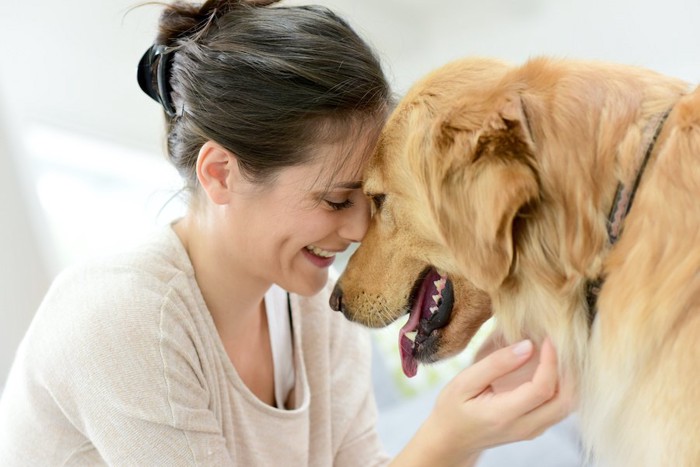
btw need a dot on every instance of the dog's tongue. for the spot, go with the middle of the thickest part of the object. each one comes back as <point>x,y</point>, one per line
<point>408,361</point>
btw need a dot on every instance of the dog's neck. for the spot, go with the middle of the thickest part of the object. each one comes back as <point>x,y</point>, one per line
<point>624,197</point>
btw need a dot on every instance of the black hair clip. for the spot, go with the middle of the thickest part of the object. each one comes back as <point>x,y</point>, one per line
<point>153,76</point>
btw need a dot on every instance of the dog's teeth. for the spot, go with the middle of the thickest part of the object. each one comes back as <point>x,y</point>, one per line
<point>412,336</point>
<point>433,309</point>
<point>436,298</point>
<point>439,285</point>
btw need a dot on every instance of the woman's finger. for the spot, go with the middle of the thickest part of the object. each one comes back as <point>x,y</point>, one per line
<point>492,343</point>
<point>474,379</point>
<point>545,415</point>
<point>541,389</point>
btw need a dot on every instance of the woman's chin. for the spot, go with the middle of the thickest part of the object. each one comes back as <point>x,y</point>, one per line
<point>312,288</point>
<point>308,283</point>
<point>303,277</point>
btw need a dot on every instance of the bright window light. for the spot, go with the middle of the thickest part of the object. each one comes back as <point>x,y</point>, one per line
<point>99,197</point>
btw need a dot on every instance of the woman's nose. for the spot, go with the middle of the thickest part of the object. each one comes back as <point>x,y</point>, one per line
<point>356,222</point>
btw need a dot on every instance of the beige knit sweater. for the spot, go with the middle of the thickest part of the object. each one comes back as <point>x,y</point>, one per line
<point>122,365</point>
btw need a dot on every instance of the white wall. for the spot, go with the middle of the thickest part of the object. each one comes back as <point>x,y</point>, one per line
<point>415,36</point>
<point>72,63</point>
<point>23,269</point>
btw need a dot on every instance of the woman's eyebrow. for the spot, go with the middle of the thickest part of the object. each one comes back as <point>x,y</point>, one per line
<point>356,185</point>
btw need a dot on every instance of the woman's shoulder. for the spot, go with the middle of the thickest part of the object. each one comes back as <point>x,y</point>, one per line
<point>146,271</point>
<point>119,295</point>
<point>114,312</point>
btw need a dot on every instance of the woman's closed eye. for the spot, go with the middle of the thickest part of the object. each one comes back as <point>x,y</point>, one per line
<point>341,205</point>
<point>343,196</point>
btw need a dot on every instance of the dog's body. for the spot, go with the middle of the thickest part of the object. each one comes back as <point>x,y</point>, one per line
<point>500,180</point>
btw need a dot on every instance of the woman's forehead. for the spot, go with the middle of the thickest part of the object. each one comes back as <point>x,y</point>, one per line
<point>343,160</point>
<point>338,167</point>
<point>336,160</point>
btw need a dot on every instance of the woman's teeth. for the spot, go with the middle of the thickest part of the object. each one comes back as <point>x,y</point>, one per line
<point>320,252</point>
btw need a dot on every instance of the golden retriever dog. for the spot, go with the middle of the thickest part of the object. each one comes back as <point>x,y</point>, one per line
<point>561,197</point>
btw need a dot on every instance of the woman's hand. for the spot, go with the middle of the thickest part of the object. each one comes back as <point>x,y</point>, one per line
<point>507,396</point>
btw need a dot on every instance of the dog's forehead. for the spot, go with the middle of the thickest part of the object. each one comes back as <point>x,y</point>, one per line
<point>373,180</point>
<point>380,173</point>
<point>412,130</point>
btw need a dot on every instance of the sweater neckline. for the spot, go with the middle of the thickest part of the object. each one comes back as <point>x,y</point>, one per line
<point>301,385</point>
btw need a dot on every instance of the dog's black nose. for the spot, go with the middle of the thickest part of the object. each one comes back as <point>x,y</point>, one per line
<point>336,300</point>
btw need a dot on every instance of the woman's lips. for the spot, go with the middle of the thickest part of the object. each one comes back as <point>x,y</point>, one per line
<point>318,261</point>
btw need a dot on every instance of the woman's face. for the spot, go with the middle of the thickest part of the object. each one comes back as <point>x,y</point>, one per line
<point>289,231</point>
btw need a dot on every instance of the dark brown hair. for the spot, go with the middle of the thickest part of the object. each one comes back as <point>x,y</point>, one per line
<point>264,82</point>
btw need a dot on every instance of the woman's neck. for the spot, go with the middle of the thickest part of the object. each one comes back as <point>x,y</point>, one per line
<point>233,296</point>
<point>235,300</point>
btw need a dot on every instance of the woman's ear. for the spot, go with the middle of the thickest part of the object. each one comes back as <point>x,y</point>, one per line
<point>217,170</point>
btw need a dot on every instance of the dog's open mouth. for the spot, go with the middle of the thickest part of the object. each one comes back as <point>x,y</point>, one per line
<point>430,310</point>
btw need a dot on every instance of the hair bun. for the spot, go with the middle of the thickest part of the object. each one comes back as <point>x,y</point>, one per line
<point>181,19</point>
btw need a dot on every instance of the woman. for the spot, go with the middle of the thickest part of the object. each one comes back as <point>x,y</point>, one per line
<point>213,344</point>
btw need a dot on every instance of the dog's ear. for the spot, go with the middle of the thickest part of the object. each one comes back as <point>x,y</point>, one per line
<point>490,179</point>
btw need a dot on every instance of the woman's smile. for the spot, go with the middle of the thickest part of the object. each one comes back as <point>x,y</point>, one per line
<point>318,256</point>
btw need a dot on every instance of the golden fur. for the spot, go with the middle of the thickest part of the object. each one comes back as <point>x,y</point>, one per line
<point>503,177</point>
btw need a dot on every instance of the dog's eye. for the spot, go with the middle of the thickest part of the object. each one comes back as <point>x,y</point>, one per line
<point>378,200</point>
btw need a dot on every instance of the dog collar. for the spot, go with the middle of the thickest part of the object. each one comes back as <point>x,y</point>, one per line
<point>624,196</point>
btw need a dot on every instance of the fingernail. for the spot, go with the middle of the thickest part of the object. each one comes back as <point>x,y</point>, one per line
<point>522,348</point>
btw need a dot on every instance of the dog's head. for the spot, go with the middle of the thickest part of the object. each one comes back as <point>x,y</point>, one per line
<point>449,178</point>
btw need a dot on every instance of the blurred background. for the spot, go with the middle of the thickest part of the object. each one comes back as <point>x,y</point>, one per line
<point>82,170</point>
